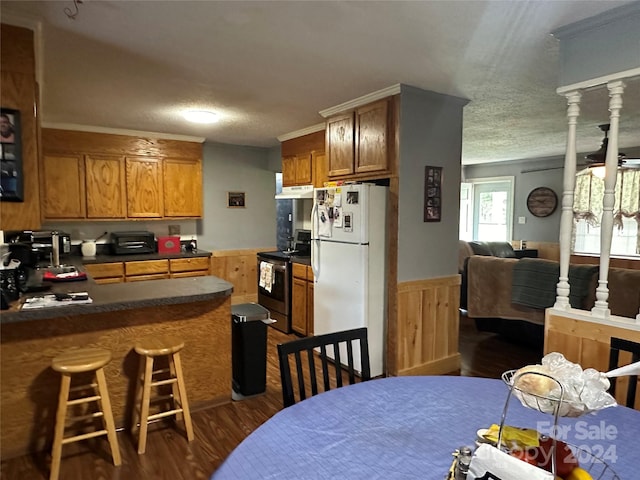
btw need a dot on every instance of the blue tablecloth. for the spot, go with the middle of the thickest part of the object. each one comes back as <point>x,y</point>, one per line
<point>407,428</point>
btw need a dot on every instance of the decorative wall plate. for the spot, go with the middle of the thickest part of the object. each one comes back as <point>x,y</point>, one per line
<point>542,201</point>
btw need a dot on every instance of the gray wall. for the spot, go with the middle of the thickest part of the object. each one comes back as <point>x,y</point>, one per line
<point>237,169</point>
<point>601,45</point>
<point>430,134</point>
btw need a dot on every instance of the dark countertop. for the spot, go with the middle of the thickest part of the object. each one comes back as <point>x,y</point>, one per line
<point>123,296</point>
<point>133,257</point>
<point>302,260</point>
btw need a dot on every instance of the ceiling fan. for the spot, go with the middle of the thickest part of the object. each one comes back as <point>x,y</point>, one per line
<point>597,159</point>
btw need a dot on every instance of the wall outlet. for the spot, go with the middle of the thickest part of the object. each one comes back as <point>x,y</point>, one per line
<point>522,220</point>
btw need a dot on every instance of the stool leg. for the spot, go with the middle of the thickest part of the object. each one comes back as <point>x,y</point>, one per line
<point>137,402</point>
<point>61,415</point>
<point>144,408</point>
<point>183,396</point>
<point>105,405</point>
<point>177,400</point>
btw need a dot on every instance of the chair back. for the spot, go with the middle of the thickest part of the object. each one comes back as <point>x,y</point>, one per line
<point>329,349</point>
<point>620,345</point>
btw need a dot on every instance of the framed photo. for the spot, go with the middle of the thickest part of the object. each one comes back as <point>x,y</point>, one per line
<point>432,194</point>
<point>235,200</point>
<point>11,181</point>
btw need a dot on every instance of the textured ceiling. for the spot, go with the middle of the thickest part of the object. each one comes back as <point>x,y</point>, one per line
<point>269,67</point>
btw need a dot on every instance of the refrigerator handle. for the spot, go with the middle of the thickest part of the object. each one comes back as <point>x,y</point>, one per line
<point>315,238</point>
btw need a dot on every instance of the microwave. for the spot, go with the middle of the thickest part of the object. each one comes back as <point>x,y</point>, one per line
<point>124,243</point>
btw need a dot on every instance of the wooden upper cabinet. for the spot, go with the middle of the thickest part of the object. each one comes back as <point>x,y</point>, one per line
<point>320,169</point>
<point>358,143</point>
<point>144,187</point>
<point>289,170</point>
<point>304,174</point>
<point>182,188</point>
<point>372,137</point>
<point>63,186</point>
<point>339,145</point>
<point>106,186</point>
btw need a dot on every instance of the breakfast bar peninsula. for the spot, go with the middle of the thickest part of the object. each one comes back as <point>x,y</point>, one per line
<point>196,309</point>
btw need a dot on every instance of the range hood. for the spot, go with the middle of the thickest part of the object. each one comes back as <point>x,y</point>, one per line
<point>297,191</point>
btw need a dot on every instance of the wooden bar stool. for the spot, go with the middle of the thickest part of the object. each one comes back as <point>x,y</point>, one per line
<point>149,349</point>
<point>75,361</point>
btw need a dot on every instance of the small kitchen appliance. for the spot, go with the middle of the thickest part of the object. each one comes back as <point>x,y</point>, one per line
<point>169,244</point>
<point>125,243</point>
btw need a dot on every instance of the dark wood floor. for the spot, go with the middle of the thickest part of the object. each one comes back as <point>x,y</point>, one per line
<point>219,430</point>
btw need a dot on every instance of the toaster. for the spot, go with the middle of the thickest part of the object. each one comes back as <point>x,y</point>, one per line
<point>124,243</point>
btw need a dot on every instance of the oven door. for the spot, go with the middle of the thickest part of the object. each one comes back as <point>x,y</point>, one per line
<point>278,298</point>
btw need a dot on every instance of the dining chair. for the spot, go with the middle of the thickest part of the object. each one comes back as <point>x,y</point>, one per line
<point>329,348</point>
<point>618,345</point>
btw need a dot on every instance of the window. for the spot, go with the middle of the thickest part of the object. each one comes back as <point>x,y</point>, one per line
<point>587,210</point>
<point>486,209</point>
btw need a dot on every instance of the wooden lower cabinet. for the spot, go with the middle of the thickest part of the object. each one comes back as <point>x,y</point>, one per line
<point>106,272</point>
<point>136,271</point>
<point>302,300</point>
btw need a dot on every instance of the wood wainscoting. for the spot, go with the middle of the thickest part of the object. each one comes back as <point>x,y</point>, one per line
<point>587,342</point>
<point>240,268</point>
<point>428,326</point>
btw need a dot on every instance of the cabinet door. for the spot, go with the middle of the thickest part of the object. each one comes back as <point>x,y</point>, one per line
<point>320,169</point>
<point>288,171</point>
<point>299,306</point>
<point>304,174</point>
<point>63,186</point>
<point>372,137</point>
<point>144,267</point>
<point>106,190</point>
<point>144,187</point>
<point>339,144</point>
<point>182,188</point>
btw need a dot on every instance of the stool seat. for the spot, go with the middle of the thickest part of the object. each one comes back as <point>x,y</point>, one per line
<point>81,360</point>
<point>157,346</point>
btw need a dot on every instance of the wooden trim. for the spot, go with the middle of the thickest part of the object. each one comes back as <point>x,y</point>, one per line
<point>435,367</point>
<point>360,101</point>
<point>302,132</point>
<point>235,253</point>
<point>428,325</point>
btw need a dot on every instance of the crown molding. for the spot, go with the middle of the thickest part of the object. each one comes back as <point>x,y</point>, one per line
<point>365,99</point>
<point>121,131</point>
<point>299,133</point>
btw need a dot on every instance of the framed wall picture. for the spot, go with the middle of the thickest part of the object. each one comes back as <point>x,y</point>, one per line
<point>432,194</point>
<point>235,200</point>
<point>12,181</point>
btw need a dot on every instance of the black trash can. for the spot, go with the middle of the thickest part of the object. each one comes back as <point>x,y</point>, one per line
<point>249,349</point>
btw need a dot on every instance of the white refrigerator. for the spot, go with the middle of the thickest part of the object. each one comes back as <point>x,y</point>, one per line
<point>348,257</point>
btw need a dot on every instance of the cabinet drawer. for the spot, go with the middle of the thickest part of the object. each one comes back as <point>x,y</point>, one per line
<point>188,264</point>
<point>154,276</point>
<point>104,281</point>
<point>104,270</point>
<point>195,273</point>
<point>146,267</point>
<point>300,271</point>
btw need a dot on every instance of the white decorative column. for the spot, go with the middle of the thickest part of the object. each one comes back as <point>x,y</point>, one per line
<point>569,185</point>
<point>601,307</point>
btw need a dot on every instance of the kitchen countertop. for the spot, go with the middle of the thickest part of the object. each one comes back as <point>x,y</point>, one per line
<point>302,260</point>
<point>122,296</point>
<point>132,257</point>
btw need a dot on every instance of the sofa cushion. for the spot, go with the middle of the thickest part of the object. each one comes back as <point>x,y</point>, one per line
<point>502,249</point>
<point>481,248</point>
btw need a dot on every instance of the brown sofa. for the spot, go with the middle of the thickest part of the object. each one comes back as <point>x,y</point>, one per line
<point>489,291</point>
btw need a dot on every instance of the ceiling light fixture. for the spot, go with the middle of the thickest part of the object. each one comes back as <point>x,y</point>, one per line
<point>596,160</point>
<point>201,116</point>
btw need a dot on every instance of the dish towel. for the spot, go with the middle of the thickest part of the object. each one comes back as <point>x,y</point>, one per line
<point>266,276</point>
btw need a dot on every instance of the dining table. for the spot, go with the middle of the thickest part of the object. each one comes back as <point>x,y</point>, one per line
<point>408,428</point>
